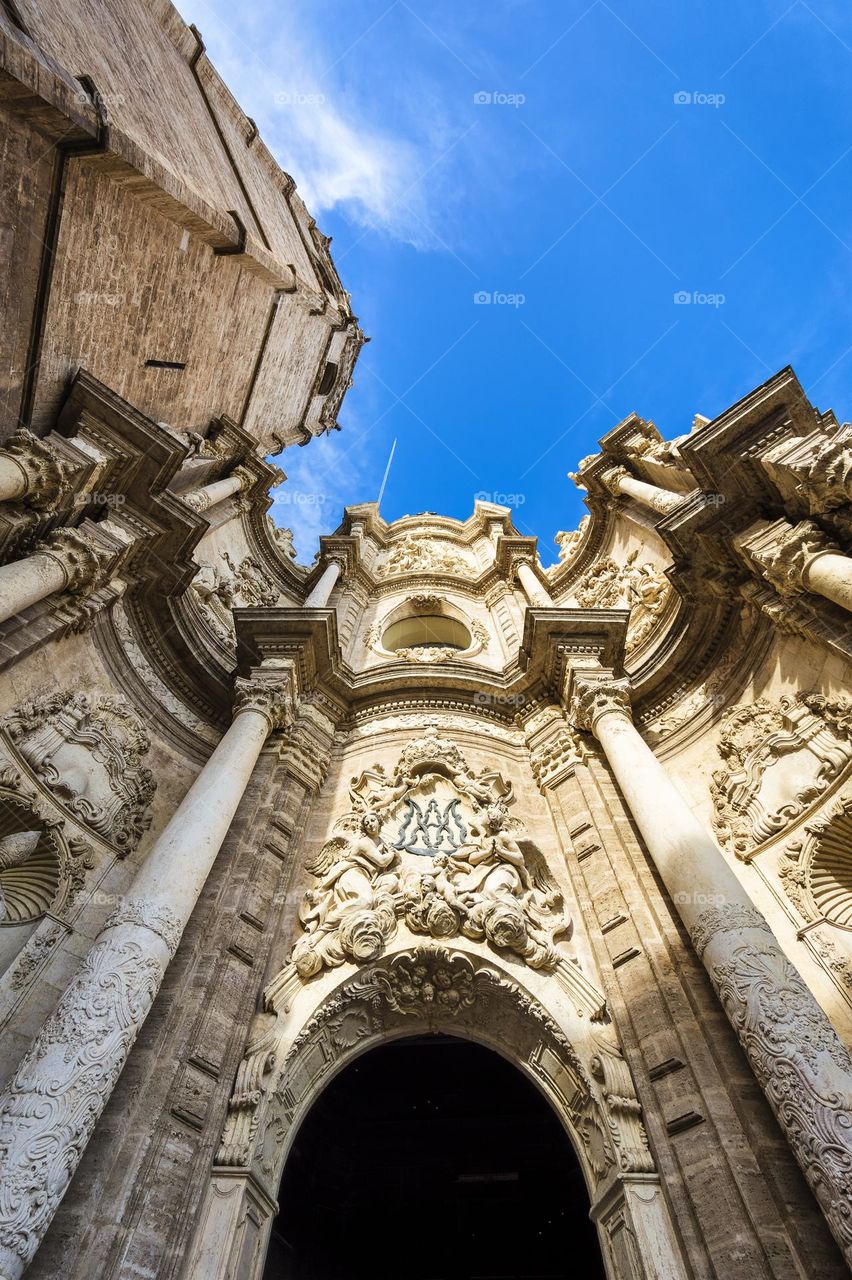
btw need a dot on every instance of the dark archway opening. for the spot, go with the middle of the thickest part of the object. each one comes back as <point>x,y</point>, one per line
<point>432,1159</point>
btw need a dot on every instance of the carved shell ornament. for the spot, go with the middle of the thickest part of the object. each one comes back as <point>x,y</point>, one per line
<point>433,849</point>
<point>817,870</point>
<point>780,757</point>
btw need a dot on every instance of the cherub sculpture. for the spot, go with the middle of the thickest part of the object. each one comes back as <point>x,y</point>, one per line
<point>350,915</point>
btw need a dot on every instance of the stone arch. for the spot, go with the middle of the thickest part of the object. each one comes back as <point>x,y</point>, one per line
<point>310,1036</point>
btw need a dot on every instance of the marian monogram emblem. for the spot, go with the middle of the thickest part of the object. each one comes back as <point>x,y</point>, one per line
<point>439,830</point>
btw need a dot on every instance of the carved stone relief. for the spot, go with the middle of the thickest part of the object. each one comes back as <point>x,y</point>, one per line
<point>218,591</point>
<point>88,751</point>
<point>478,880</point>
<point>424,554</point>
<point>780,758</point>
<point>432,988</point>
<point>643,587</point>
<point>816,870</point>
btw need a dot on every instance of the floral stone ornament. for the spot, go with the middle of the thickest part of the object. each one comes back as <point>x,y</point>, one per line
<point>434,848</point>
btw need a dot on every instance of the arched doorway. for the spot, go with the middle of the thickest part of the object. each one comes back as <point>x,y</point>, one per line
<point>432,1158</point>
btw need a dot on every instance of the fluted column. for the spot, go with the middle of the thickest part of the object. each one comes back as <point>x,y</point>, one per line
<point>537,595</point>
<point>794,1051</point>
<point>50,1108</point>
<point>69,561</point>
<point>324,586</point>
<point>798,558</point>
<point>619,481</point>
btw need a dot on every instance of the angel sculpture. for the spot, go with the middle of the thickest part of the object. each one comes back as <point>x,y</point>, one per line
<point>490,877</point>
<point>350,915</point>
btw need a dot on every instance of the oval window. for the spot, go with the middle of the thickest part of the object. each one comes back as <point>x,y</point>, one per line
<point>427,631</point>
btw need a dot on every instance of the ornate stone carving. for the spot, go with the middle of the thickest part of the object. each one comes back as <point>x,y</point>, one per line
<point>283,538</point>
<point>786,559</point>
<point>50,1107</point>
<point>478,883</point>
<point>34,953</point>
<point>271,695</point>
<point>625,1112</point>
<point>45,474</point>
<point>86,565</point>
<point>593,697</point>
<point>568,541</point>
<point>724,919</point>
<point>88,750</point>
<point>218,592</point>
<point>424,554</point>
<point>780,758</point>
<point>159,919</point>
<point>816,870</point>
<point>801,1065</point>
<point>818,474</point>
<point>430,988</point>
<point>642,587</point>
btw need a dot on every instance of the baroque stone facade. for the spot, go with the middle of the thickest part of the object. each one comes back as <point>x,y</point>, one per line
<point>257,819</point>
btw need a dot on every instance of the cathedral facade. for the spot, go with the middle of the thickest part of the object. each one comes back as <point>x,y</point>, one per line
<point>263,822</point>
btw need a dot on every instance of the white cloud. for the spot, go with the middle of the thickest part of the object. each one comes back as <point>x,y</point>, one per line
<point>323,477</point>
<point>317,128</point>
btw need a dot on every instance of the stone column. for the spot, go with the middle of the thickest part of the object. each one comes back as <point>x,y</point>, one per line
<point>31,470</point>
<point>209,495</point>
<point>798,558</point>
<point>70,560</point>
<point>537,595</point>
<point>793,1049</point>
<point>324,586</point>
<point>51,1107</point>
<point>619,481</point>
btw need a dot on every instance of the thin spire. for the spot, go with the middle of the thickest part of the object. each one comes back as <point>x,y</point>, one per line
<point>385,478</point>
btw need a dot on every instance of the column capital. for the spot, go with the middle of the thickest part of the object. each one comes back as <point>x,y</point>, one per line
<point>612,477</point>
<point>591,696</point>
<point>272,693</point>
<point>784,551</point>
<point>85,563</point>
<point>45,474</point>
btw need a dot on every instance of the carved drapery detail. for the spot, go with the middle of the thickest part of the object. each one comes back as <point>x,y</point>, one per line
<point>49,1109</point>
<point>88,750</point>
<point>780,758</point>
<point>478,881</point>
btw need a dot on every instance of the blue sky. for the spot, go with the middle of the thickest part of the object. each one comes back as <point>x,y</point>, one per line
<point>582,164</point>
